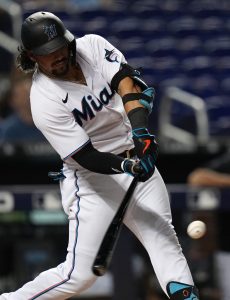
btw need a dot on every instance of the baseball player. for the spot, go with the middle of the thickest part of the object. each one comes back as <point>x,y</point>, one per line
<point>93,108</point>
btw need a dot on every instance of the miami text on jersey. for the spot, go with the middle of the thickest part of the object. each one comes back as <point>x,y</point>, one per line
<point>90,105</point>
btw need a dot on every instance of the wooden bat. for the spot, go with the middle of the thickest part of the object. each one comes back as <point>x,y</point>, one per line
<point>105,252</point>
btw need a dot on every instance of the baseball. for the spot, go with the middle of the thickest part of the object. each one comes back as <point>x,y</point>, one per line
<point>196,229</point>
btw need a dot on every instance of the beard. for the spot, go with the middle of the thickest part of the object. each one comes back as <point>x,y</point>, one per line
<point>61,70</point>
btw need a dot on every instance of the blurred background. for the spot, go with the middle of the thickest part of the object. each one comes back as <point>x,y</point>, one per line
<point>183,48</point>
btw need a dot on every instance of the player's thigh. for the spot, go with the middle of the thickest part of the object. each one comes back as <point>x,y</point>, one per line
<point>152,196</point>
<point>150,207</point>
<point>93,206</point>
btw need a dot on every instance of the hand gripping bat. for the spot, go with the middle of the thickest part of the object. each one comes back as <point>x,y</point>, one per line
<point>105,252</point>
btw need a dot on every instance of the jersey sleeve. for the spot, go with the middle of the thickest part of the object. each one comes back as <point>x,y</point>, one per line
<point>58,126</point>
<point>108,59</point>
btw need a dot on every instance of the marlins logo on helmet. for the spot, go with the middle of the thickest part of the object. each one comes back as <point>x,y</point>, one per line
<point>50,31</point>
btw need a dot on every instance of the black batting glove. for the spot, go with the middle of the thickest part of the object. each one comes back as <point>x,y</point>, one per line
<point>146,148</point>
<point>135,168</point>
<point>131,166</point>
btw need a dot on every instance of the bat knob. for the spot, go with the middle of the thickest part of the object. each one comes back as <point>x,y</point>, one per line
<point>99,270</point>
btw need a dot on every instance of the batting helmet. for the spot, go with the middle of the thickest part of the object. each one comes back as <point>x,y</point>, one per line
<point>43,33</point>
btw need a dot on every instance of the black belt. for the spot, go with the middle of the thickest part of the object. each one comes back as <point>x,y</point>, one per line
<point>128,153</point>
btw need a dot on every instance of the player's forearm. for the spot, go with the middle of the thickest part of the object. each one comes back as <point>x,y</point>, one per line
<point>137,113</point>
<point>138,105</point>
<point>99,162</point>
<point>108,163</point>
<point>128,86</point>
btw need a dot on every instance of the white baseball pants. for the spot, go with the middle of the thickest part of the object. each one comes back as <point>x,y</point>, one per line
<point>91,201</point>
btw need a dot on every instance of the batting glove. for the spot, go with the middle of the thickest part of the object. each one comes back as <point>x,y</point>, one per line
<point>146,148</point>
<point>131,166</point>
<point>135,168</point>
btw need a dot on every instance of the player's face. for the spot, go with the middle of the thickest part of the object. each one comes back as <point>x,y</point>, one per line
<point>56,63</point>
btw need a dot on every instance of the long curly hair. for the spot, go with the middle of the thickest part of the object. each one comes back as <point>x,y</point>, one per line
<point>24,62</point>
<point>27,65</point>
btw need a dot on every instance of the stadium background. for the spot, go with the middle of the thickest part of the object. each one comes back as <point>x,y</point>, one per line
<point>183,49</point>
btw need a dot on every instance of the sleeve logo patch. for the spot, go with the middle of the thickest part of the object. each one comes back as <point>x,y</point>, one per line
<point>111,56</point>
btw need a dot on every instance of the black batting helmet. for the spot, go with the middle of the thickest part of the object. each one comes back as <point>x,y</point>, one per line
<point>43,33</point>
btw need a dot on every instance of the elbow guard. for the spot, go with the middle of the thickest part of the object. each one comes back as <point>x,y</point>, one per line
<point>127,71</point>
<point>147,95</point>
<point>145,98</point>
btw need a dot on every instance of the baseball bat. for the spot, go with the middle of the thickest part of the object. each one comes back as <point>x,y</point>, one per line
<point>105,252</point>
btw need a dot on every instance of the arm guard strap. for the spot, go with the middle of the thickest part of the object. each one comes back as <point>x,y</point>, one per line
<point>145,98</point>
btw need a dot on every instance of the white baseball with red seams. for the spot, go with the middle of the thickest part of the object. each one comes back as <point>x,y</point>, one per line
<point>196,229</point>
<point>69,114</point>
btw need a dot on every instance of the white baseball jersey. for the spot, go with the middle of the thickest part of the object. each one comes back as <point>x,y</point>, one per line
<point>69,114</point>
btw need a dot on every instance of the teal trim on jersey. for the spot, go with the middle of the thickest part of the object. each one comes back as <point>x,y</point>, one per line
<point>74,254</point>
